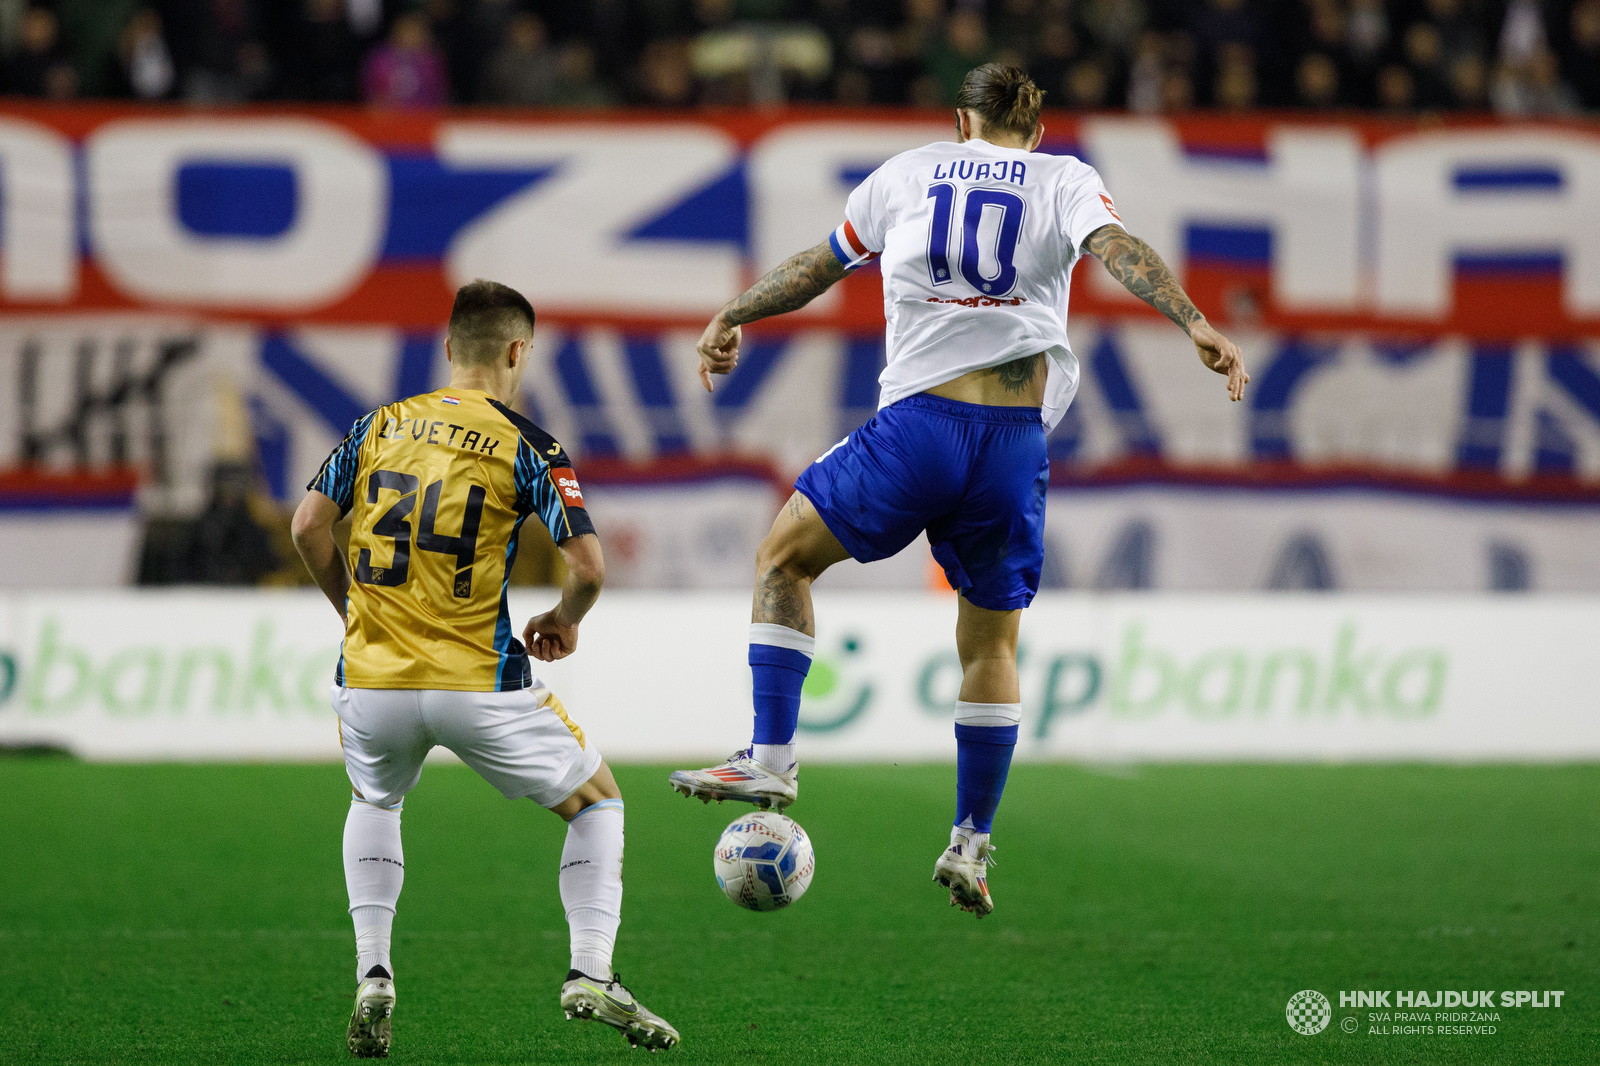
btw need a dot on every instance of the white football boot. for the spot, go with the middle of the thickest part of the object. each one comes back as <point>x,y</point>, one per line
<point>609,1002</point>
<point>740,778</point>
<point>368,1036</point>
<point>964,870</point>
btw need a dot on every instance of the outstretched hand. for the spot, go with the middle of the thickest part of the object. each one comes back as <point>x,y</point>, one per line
<point>719,350</point>
<point>1221,355</point>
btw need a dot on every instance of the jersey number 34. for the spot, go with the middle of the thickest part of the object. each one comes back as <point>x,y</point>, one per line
<point>392,524</point>
<point>1003,211</point>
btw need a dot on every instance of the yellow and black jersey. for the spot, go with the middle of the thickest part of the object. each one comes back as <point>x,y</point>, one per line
<point>440,485</point>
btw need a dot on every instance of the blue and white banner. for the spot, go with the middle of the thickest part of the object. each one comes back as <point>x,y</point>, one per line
<point>1354,463</point>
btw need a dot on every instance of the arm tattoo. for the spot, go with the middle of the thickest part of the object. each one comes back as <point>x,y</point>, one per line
<point>1017,375</point>
<point>787,287</point>
<point>1141,271</point>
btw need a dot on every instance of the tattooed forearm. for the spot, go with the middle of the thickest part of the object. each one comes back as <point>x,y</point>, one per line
<point>1018,374</point>
<point>787,287</point>
<point>1141,271</point>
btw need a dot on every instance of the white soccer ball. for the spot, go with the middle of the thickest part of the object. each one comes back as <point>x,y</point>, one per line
<point>764,861</point>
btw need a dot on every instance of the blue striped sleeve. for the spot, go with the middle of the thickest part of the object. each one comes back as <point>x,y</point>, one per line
<point>551,492</point>
<point>337,478</point>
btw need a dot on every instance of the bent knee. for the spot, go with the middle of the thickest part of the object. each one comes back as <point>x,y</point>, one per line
<point>990,648</point>
<point>383,801</point>
<point>602,785</point>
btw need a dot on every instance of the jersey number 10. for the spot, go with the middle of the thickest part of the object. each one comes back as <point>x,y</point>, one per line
<point>392,524</point>
<point>1010,208</point>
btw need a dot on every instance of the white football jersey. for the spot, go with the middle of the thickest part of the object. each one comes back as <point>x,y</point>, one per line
<point>977,244</point>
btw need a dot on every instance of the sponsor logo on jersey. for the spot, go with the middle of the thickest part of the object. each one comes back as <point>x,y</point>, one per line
<point>567,482</point>
<point>982,301</point>
<point>1111,208</point>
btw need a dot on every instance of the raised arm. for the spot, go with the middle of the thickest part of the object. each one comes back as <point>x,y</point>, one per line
<point>787,287</point>
<point>1141,271</point>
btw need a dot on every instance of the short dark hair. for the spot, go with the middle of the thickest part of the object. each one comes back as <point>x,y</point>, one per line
<point>1003,96</point>
<point>485,318</point>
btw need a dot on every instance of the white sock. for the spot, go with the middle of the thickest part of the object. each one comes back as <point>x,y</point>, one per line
<point>966,834</point>
<point>990,715</point>
<point>779,757</point>
<point>591,885</point>
<point>373,929</point>
<point>374,870</point>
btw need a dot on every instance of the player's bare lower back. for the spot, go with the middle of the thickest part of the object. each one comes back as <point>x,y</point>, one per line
<point>1019,383</point>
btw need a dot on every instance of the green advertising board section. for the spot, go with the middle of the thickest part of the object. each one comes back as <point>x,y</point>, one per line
<point>214,675</point>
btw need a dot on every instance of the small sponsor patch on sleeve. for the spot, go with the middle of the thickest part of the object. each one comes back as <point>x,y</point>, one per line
<point>1111,208</point>
<point>567,484</point>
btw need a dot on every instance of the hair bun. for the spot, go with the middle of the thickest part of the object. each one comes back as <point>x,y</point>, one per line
<point>1003,96</point>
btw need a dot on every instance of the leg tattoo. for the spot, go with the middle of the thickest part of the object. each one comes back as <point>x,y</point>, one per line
<point>784,600</point>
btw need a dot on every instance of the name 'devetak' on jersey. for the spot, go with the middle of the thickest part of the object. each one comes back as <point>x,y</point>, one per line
<point>427,432</point>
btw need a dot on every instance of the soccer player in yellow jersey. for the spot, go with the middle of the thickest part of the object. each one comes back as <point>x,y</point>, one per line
<point>438,487</point>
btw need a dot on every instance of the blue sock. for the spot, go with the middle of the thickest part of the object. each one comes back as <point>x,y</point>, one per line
<point>983,758</point>
<point>780,657</point>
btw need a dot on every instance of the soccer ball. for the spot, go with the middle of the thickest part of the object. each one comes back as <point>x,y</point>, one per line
<point>764,861</point>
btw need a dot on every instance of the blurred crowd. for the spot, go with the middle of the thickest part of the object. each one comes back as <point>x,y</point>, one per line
<point>1518,57</point>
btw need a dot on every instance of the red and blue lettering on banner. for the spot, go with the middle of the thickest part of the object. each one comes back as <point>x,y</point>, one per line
<point>350,216</point>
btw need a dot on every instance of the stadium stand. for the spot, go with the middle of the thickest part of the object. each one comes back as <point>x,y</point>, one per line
<point>1516,57</point>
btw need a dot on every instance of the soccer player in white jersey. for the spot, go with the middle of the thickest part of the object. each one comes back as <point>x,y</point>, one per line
<point>438,488</point>
<point>978,240</point>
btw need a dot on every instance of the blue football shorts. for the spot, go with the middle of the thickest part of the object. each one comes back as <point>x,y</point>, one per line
<point>973,476</point>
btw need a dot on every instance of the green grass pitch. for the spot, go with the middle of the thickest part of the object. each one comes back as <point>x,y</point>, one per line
<point>197,914</point>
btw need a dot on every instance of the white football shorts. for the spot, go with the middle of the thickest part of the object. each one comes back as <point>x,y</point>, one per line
<point>521,742</point>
